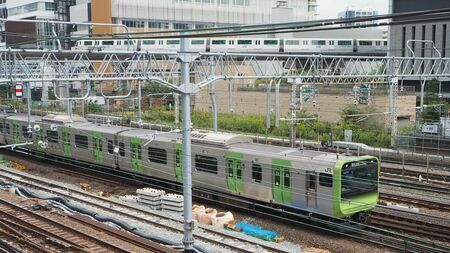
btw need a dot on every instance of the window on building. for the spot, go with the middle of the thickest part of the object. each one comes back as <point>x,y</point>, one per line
<point>241,2</point>
<point>81,141</point>
<point>181,26</point>
<point>444,39</point>
<point>325,180</point>
<point>257,173</point>
<point>206,164</point>
<point>134,23</point>
<point>157,155</point>
<point>52,136</point>
<point>403,41</point>
<point>202,26</point>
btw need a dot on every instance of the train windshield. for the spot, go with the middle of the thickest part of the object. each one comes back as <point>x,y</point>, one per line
<point>359,177</point>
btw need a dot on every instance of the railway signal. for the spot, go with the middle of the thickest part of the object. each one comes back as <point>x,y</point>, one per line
<point>19,90</point>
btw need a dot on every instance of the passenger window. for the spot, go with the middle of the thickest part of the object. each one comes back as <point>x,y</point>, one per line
<point>277,177</point>
<point>325,180</point>
<point>81,141</point>
<point>312,181</point>
<point>52,136</point>
<point>157,155</point>
<point>287,179</point>
<point>110,146</point>
<point>257,173</point>
<point>239,170</point>
<point>121,149</point>
<point>206,164</point>
<point>230,168</point>
<point>25,131</point>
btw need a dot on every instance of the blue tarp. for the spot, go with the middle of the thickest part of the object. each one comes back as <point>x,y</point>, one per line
<point>256,231</point>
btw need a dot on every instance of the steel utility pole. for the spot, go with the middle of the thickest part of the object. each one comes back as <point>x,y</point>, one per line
<point>187,88</point>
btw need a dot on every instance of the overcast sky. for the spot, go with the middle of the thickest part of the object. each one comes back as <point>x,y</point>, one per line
<point>331,8</point>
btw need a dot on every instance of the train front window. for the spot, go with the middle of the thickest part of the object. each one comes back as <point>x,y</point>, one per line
<point>359,177</point>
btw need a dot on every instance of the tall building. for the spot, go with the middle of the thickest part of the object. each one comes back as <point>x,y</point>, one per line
<point>3,14</point>
<point>437,32</point>
<point>28,35</point>
<point>156,15</point>
<point>358,13</point>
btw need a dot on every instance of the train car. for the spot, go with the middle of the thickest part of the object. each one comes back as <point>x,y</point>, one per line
<point>326,183</point>
<point>242,45</point>
<point>372,46</point>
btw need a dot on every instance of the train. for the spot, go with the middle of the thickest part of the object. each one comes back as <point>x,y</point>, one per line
<point>243,45</point>
<point>331,184</point>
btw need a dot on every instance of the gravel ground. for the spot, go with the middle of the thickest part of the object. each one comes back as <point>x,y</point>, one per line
<point>311,241</point>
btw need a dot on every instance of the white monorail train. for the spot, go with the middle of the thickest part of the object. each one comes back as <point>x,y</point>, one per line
<point>239,45</point>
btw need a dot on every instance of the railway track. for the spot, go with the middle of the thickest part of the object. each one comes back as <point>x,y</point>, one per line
<point>415,202</point>
<point>413,223</point>
<point>372,234</point>
<point>212,236</point>
<point>37,231</point>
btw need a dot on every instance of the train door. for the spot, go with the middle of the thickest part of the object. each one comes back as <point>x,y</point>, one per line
<point>67,148</point>
<point>311,189</point>
<point>178,161</point>
<point>235,170</point>
<point>98,147</point>
<point>136,155</point>
<point>16,132</point>
<point>281,181</point>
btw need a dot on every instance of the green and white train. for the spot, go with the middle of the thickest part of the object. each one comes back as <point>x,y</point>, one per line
<point>327,183</point>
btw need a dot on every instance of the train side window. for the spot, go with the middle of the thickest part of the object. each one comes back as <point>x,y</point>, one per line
<point>25,131</point>
<point>7,128</point>
<point>325,180</point>
<point>206,164</point>
<point>292,42</point>
<point>88,43</point>
<point>81,141</point>
<point>121,149</point>
<point>257,173</point>
<point>52,136</point>
<point>197,42</point>
<point>110,147</point>
<point>312,181</point>
<point>244,42</point>
<point>270,42</point>
<point>287,178</point>
<point>218,42</point>
<point>277,179</point>
<point>157,155</point>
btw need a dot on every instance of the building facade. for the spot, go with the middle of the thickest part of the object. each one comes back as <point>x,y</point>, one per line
<point>437,32</point>
<point>156,15</point>
<point>29,35</point>
<point>358,13</point>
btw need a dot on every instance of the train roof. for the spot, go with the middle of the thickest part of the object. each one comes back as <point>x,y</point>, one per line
<point>290,153</point>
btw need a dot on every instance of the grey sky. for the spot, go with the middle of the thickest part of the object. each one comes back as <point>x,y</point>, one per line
<point>331,8</point>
